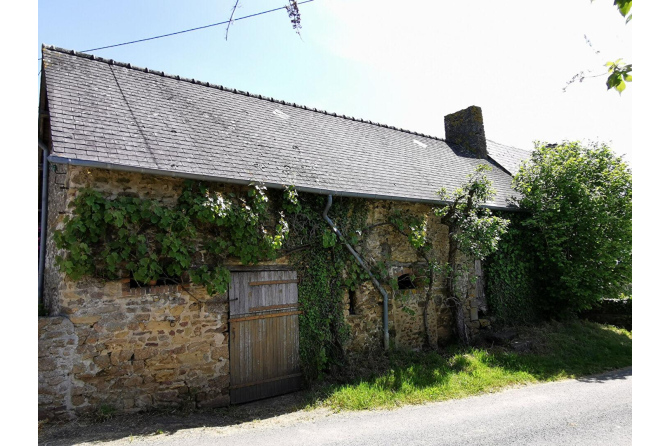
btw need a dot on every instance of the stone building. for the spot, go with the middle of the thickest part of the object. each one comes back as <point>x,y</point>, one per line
<point>121,129</point>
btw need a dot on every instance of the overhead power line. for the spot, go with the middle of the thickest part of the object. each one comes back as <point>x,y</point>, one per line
<point>189,30</point>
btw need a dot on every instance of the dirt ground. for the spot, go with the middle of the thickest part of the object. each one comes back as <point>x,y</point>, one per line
<point>141,428</point>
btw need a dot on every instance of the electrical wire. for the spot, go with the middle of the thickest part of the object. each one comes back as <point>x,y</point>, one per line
<point>189,30</point>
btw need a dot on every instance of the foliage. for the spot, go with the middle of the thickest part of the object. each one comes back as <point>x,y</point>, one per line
<point>473,230</point>
<point>104,413</point>
<point>579,227</point>
<point>510,276</point>
<point>325,269</point>
<point>415,228</point>
<point>560,351</point>
<point>476,230</point>
<point>619,75</point>
<point>619,72</point>
<point>624,7</point>
<point>110,238</point>
<point>150,240</point>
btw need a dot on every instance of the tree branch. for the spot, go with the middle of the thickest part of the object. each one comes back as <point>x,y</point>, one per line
<point>230,20</point>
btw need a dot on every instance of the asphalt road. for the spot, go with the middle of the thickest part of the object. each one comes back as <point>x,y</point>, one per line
<point>589,411</point>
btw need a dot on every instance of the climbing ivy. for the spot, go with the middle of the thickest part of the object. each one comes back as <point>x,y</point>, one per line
<point>116,237</point>
<point>510,275</point>
<point>326,269</point>
<point>111,238</point>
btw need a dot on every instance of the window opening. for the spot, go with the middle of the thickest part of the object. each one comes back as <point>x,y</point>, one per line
<point>405,282</point>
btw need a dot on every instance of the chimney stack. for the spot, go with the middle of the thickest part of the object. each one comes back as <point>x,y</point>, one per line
<point>466,128</point>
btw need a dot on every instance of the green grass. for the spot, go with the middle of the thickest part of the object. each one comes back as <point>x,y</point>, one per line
<point>559,351</point>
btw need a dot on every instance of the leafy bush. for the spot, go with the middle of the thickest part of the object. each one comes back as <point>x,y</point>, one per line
<point>510,276</point>
<point>579,225</point>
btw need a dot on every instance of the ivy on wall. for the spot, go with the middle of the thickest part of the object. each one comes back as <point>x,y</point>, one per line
<point>149,240</point>
<point>509,276</point>
<point>326,270</point>
<point>112,238</point>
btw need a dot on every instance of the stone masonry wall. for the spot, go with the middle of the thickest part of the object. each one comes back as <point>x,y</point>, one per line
<point>151,347</point>
<point>129,349</point>
<point>407,307</point>
<point>57,342</point>
<point>136,349</point>
<point>133,348</point>
<point>57,206</point>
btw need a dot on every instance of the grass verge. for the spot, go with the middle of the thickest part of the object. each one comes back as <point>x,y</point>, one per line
<point>555,351</point>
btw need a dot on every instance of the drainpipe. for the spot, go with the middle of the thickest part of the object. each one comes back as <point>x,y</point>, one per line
<point>43,221</point>
<point>365,267</point>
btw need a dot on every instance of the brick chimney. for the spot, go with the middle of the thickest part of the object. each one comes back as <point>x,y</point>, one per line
<point>466,128</point>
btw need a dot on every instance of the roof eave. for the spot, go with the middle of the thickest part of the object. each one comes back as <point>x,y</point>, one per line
<point>192,176</point>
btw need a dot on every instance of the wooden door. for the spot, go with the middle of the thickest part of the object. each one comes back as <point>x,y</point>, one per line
<point>264,355</point>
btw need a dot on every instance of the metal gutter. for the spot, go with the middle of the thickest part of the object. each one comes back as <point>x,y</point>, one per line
<point>194,176</point>
<point>43,220</point>
<point>365,267</point>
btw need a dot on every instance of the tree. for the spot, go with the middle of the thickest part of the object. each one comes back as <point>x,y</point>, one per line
<point>579,225</point>
<point>473,230</point>
<point>619,72</point>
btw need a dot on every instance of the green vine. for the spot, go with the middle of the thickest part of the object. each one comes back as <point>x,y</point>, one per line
<point>509,273</point>
<point>193,238</point>
<point>112,238</point>
<point>116,237</point>
<point>326,269</point>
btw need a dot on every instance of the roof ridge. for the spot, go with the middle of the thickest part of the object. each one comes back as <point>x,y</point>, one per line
<point>230,90</point>
<point>507,145</point>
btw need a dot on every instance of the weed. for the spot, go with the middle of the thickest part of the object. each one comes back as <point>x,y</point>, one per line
<point>105,412</point>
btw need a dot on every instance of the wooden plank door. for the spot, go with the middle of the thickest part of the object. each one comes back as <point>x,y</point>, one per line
<point>264,355</point>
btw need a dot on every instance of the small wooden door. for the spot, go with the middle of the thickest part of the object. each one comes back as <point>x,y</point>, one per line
<point>264,355</point>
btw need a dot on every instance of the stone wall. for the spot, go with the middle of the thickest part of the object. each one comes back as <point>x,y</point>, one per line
<point>407,308</point>
<point>129,349</point>
<point>58,197</point>
<point>57,343</point>
<point>160,346</point>
<point>132,348</point>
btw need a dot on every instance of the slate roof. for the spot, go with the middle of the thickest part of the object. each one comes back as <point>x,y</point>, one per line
<point>110,114</point>
<point>510,158</point>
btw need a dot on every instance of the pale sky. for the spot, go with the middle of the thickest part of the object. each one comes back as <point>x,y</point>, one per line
<point>405,64</point>
<point>510,58</point>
